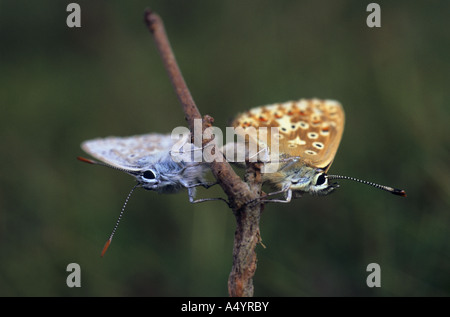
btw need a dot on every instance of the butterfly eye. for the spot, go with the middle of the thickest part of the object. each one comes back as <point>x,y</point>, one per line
<point>321,179</point>
<point>149,174</point>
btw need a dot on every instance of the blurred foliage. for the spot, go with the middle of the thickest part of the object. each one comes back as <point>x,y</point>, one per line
<point>60,86</point>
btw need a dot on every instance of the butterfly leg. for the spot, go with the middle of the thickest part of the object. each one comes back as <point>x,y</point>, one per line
<point>287,194</point>
<point>180,152</point>
<point>192,200</point>
<point>290,161</point>
<point>206,185</point>
<point>266,153</point>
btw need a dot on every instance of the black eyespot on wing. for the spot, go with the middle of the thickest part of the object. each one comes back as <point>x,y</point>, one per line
<point>321,179</point>
<point>149,175</point>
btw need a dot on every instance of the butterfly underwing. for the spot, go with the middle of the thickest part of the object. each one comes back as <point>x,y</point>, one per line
<point>150,159</point>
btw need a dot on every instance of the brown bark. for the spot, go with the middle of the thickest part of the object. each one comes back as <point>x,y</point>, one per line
<point>241,195</point>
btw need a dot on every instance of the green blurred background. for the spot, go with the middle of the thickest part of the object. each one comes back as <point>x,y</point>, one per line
<point>61,86</point>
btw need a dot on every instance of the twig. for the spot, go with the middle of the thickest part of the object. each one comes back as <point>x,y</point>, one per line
<point>240,282</point>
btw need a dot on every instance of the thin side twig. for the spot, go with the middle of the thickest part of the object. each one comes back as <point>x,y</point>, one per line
<point>239,193</point>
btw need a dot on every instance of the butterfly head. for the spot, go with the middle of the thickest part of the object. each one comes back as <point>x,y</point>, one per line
<point>165,178</point>
<point>302,179</point>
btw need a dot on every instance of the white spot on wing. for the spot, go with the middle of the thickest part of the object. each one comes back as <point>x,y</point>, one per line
<point>297,141</point>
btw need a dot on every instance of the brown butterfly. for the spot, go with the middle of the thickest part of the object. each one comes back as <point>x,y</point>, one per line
<point>308,133</point>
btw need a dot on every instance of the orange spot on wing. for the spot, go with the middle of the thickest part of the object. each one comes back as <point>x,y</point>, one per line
<point>278,115</point>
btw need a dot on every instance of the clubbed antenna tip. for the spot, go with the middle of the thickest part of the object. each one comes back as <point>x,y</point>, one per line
<point>395,191</point>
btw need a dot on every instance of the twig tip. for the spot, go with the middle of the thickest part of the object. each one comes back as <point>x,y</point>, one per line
<point>150,19</point>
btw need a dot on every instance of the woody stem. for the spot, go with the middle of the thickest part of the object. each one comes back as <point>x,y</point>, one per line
<point>239,193</point>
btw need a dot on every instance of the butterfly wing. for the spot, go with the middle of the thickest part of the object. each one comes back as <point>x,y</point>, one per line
<point>132,153</point>
<point>308,129</point>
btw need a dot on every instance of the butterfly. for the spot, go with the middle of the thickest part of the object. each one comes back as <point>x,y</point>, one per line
<point>306,139</point>
<point>158,162</point>
<point>150,159</point>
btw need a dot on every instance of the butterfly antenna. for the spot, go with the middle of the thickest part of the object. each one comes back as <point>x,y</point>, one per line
<point>108,242</point>
<point>395,191</point>
<point>85,160</point>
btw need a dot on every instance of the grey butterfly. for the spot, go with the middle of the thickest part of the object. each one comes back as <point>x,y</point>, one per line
<point>159,162</point>
<point>151,160</point>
